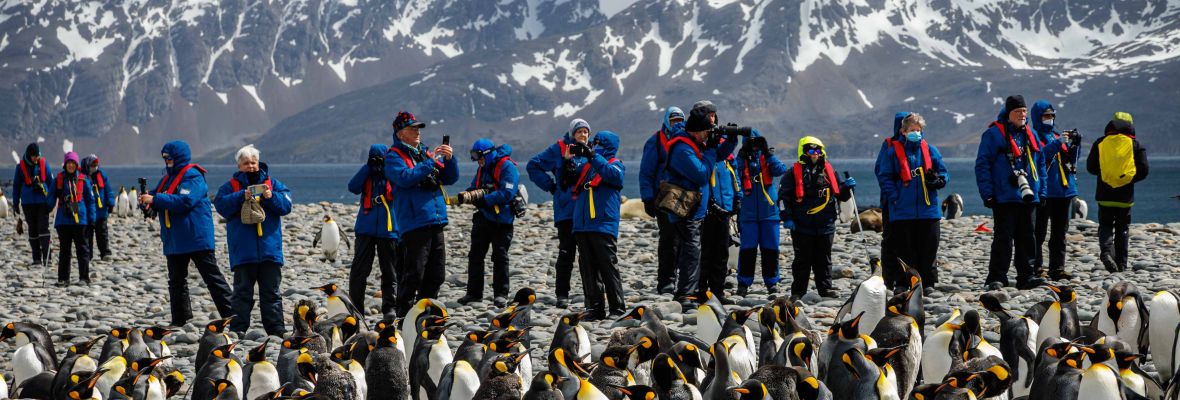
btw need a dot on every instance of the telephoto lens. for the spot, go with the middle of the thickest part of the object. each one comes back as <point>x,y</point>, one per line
<point>1026,192</point>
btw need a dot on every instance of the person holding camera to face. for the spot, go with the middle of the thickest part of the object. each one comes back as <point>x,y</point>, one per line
<point>555,170</point>
<point>596,225</point>
<point>418,176</point>
<point>75,213</point>
<point>910,172</point>
<point>181,203</point>
<point>1009,172</point>
<point>253,204</point>
<point>30,189</point>
<point>652,171</point>
<point>493,192</point>
<point>694,151</point>
<point>376,231</point>
<point>1060,152</point>
<point>759,216</point>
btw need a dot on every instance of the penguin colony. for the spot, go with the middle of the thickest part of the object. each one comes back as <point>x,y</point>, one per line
<point>877,349</point>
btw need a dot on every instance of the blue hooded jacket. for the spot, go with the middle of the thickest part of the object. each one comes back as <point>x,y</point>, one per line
<point>689,171</point>
<point>724,185</point>
<point>653,165</point>
<point>993,173</point>
<point>104,197</point>
<point>186,220</point>
<point>914,201</point>
<point>379,220</point>
<point>497,205</point>
<point>886,153</point>
<point>416,206</point>
<point>22,193</point>
<point>1055,159</point>
<point>596,209</point>
<point>86,213</point>
<point>761,204</point>
<point>546,170</point>
<point>250,244</point>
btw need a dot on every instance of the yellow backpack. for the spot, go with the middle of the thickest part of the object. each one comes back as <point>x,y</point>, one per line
<point>1116,159</point>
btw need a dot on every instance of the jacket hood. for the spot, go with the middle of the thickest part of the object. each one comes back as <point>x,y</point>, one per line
<point>1038,109</point>
<point>32,150</point>
<point>180,153</point>
<point>668,113</point>
<point>378,150</point>
<point>897,118</point>
<point>87,162</point>
<point>806,140</point>
<point>606,143</point>
<point>498,153</point>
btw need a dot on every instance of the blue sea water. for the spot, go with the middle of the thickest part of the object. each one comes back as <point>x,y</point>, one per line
<point>310,183</point>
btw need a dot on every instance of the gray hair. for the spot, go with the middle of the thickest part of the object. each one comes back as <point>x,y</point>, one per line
<point>247,151</point>
<point>914,119</point>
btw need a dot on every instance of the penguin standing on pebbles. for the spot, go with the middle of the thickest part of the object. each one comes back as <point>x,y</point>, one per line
<point>221,365</point>
<point>1061,318</point>
<point>1163,333</point>
<point>867,300</point>
<point>572,336</point>
<point>1017,343</point>
<point>385,369</point>
<point>1124,315</point>
<point>213,337</point>
<point>331,234</point>
<point>430,356</point>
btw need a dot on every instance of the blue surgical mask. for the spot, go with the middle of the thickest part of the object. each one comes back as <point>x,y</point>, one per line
<point>914,136</point>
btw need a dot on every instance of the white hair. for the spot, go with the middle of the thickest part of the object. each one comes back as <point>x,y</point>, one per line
<point>248,151</point>
<point>914,119</point>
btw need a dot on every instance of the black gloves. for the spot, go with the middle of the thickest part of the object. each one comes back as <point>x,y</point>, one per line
<point>713,141</point>
<point>989,202</point>
<point>935,181</point>
<point>757,143</point>
<point>581,150</point>
<point>651,208</point>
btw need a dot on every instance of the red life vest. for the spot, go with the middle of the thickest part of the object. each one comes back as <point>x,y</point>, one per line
<point>495,171</point>
<point>367,201</point>
<point>78,182</point>
<point>594,182</point>
<point>24,169</point>
<point>904,163</point>
<point>410,161</point>
<point>763,174</point>
<point>1032,140</point>
<point>662,138</point>
<point>684,139</point>
<point>176,179</point>
<point>831,175</point>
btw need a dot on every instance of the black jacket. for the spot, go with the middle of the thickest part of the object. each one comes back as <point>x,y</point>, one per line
<point>1123,196</point>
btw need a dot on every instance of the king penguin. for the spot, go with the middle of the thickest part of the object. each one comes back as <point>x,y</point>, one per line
<point>77,360</point>
<point>329,378</point>
<point>939,350</point>
<point>1163,329</point>
<point>3,204</point>
<point>952,206</point>
<point>213,337</point>
<point>1017,343</point>
<point>259,376</point>
<point>1135,379</point>
<point>544,387</point>
<point>572,336</point>
<point>430,356</point>
<point>339,304</point>
<point>1124,315</point>
<point>220,365</point>
<point>409,329</point>
<point>711,317</point>
<point>460,381</point>
<point>670,383</point>
<point>122,204</point>
<point>867,300</point>
<point>841,337</point>
<point>331,235</point>
<point>898,329</point>
<point>502,381</point>
<point>154,336</point>
<point>385,369</point>
<point>1100,380</point>
<point>1061,318</point>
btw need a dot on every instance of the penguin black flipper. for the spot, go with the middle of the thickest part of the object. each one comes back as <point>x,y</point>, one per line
<point>1037,311</point>
<point>846,308</point>
<point>316,241</point>
<point>678,336</point>
<point>344,237</point>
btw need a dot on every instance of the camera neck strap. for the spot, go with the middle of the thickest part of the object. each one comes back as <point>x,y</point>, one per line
<point>1033,143</point>
<point>24,169</point>
<point>76,188</point>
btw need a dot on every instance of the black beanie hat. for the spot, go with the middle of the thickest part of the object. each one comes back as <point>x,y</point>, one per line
<point>1013,102</point>
<point>32,150</point>
<point>698,120</point>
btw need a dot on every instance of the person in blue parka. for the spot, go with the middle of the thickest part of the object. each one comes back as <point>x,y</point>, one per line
<point>492,191</point>
<point>31,193</point>
<point>181,203</point>
<point>255,249</point>
<point>75,212</point>
<point>596,226</point>
<point>420,206</point>
<point>1060,152</point>
<point>724,201</point>
<point>1009,171</point>
<point>653,170</point>
<point>104,202</point>
<point>910,174</point>
<point>555,170</point>
<point>376,231</point>
<point>808,198</point>
<point>759,218</point>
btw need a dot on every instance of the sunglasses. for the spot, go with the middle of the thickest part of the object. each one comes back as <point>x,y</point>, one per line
<point>814,151</point>
<point>476,155</point>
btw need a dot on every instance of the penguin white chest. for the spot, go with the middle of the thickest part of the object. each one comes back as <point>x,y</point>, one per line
<point>583,344</point>
<point>234,374</point>
<point>870,299</point>
<point>440,356</point>
<point>1165,317</point>
<point>1099,382</point>
<point>25,363</point>
<point>3,388</point>
<point>1050,324</point>
<point>708,324</point>
<point>465,382</point>
<point>3,206</point>
<point>936,358</point>
<point>358,375</point>
<point>1129,323</point>
<point>330,238</point>
<point>264,378</point>
<point>1134,382</point>
<point>887,384</point>
<point>336,307</point>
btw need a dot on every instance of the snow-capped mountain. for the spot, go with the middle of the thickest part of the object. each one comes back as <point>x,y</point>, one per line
<point>316,80</point>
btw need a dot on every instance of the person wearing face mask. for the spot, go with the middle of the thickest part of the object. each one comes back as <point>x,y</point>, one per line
<point>418,176</point>
<point>75,212</point>
<point>492,191</point>
<point>910,175</point>
<point>807,202</point>
<point>104,198</point>
<point>1010,174</point>
<point>653,171</point>
<point>181,203</point>
<point>255,249</point>
<point>31,188</point>
<point>1060,152</point>
<point>376,231</point>
<point>596,227</point>
<point>759,217</point>
<point>555,170</point>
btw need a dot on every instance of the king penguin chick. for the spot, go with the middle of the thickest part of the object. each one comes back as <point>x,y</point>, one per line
<point>502,382</point>
<point>328,378</point>
<point>385,369</point>
<point>543,387</point>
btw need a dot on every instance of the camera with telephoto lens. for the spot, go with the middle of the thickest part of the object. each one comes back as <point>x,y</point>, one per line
<point>1026,192</point>
<point>376,164</point>
<point>730,129</point>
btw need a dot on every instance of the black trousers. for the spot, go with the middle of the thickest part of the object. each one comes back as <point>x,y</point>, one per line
<point>813,255</point>
<point>268,277</point>
<point>99,230</point>
<point>386,252</point>
<point>1113,225</point>
<point>714,253</point>
<point>666,255</point>
<point>1053,222</point>
<point>1013,229</point>
<point>72,236</point>
<point>423,266</point>
<point>206,263</point>
<point>598,265</point>
<point>498,237</point>
<point>917,243</point>
<point>567,250</point>
<point>37,217</point>
<point>688,256</point>
<point>890,269</point>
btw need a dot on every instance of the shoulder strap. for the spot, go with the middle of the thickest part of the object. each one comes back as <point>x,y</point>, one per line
<point>405,158</point>
<point>926,164</point>
<point>175,180</point>
<point>662,138</point>
<point>682,139</point>
<point>100,180</point>
<point>562,146</point>
<point>29,177</point>
<point>499,167</point>
<point>831,174</point>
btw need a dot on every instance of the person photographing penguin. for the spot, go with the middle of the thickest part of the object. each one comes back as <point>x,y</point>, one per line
<point>418,176</point>
<point>759,217</point>
<point>555,170</point>
<point>1060,152</point>
<point>596,225</point>
<point>493,192</point>
<point>75,213</point>
<point>807,201</point>
<point>376,231</point>
<point>104,201</point>
<point>30,188</point>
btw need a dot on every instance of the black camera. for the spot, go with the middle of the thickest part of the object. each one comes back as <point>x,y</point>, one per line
<point>730,129</point>
<point>581,150</point>
<point>147,211</point>
<point>752,144</point>
<point>430,181</point>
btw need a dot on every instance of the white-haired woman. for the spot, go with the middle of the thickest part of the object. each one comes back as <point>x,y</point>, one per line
<point>255,249</point>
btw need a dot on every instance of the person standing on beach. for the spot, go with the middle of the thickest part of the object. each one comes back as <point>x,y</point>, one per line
<point>376,231</point>
<point>759,217</point>
<point>75,213</point>
<point>492,191</point>
<point>1119,162</point>
<point>104,198</point>
<point>418,177</point>
<point>1060,151</point>
<point>31,188</point>
<point>1009,171</point>
<point>596,226</point>
<point>653,170</point>
<point>555,170</point>
<point>182,204</point>
<point>808,198</point>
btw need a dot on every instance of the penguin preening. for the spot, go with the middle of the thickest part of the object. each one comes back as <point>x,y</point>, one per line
<point>331,234</point>
<point>339,304</point>
<point>1017,343</point>
<point>1061,318</point>
<point>952,206</point>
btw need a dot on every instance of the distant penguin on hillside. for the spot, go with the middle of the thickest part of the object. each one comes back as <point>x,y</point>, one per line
<point>331,235</point>
<point>952,206</point>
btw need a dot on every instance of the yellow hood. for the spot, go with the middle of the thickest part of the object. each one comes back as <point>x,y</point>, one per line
<point>806,140</point>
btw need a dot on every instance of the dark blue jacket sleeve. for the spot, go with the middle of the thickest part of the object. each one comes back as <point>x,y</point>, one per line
<point>1042,175</point>
<point>450,172</point>
<point>356,185</point>
<point>190,192</point>
<point>777,168</point>
<point>611,172</point>
<point>983,165</point>
<point>91,203</point>
<point>649,169</point>
<point>540,165</point>
<point>685,162</point>
<point>228,202</point>
<point>280,198</point>
<point>509,185</point>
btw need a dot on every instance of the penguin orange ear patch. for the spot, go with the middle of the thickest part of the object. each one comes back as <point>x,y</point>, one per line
<point>501,366</point>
